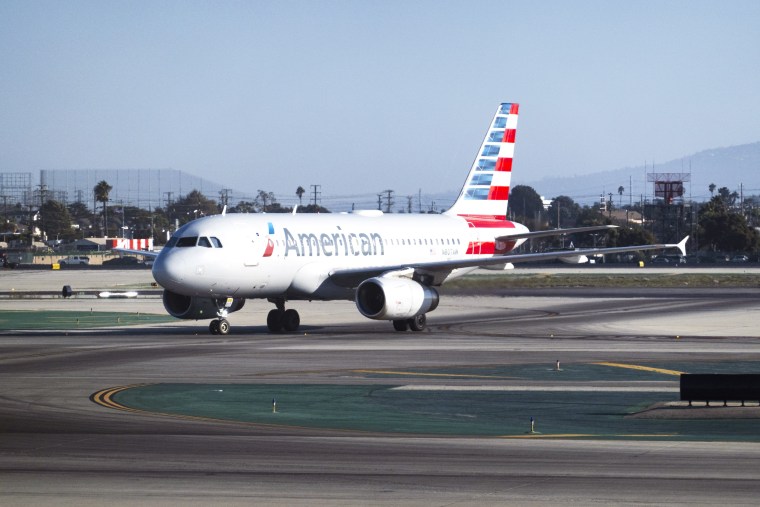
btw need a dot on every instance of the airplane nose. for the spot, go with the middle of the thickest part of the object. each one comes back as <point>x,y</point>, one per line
<point>168,270</point>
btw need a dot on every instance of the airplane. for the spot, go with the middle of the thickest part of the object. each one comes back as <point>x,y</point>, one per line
<point>390,265</point>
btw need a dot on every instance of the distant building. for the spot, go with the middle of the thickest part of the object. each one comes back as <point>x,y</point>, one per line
<point>625,216</point>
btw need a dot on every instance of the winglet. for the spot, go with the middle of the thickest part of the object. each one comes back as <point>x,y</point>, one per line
<point>682,245</point>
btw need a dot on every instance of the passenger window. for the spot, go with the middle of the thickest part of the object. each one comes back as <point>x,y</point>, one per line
<point>187,241</point>
<point>204,242</point>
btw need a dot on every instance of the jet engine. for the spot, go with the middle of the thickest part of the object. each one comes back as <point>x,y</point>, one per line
<point>193,307</point>
<point>394,298</point>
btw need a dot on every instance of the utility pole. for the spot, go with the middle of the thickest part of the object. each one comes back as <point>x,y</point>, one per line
<point>388,200</point>
<point>43,190</point>
<point>5,207</point>
<point>317,192</point>
<point>609,208</point>
<point>224,196</point>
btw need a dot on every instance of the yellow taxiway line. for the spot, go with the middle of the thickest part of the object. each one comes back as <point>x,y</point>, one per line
<point>643,368</point>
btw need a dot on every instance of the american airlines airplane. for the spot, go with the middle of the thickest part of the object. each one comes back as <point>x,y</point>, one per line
<point>389,265</point>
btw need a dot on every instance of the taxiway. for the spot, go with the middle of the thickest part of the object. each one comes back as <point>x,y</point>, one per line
<point>57,447</point>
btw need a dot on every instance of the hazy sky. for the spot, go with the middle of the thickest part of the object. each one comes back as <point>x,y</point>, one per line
<point>360,96</point>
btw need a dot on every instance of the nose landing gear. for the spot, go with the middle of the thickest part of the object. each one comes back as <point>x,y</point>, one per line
<point>221,325</point>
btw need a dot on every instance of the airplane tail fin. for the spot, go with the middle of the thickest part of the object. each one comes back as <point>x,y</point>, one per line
<point>486,190</point>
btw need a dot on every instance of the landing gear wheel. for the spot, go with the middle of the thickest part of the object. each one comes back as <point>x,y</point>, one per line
<point>417,323</point>
<point>274,321</point>
<point>290,320</point>
<point>400,325</point>
<point>219,326</point>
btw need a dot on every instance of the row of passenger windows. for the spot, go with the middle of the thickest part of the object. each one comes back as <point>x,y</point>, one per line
<point>415,242</point>
<point>187,241</point>
<point>424,241</point>
<point>210,242</point>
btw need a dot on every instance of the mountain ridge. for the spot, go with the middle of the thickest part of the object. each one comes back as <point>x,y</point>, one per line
<point>733,167</point>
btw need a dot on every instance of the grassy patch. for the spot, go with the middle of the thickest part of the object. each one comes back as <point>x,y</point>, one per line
<point>69,320</point>
<point>648,280</point>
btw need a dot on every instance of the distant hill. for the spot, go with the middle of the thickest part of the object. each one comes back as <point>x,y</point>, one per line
<point>726,167</point>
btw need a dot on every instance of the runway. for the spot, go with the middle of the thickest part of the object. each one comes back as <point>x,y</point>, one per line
<point>59,448</point>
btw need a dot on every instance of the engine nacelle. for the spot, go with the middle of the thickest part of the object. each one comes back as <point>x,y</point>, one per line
<point>193,307</point>
<point>394,298</point>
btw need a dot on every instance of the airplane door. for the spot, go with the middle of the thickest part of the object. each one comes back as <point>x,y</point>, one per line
<point>475,241</point>
<point>253,251</point>
<point>259,247</point>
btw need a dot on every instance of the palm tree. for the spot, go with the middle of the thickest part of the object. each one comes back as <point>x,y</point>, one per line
<point>712,188</point>
<point>621,189</point>
<point>101,190</point>
<point>299,192</point>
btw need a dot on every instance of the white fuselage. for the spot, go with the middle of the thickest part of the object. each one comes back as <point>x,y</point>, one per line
<point>273,255</point>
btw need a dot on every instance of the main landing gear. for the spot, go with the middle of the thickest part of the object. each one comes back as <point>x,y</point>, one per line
<point>416,323</point>
<point>280,319</point>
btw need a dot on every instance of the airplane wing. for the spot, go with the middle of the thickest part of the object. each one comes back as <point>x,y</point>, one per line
<point>556,232</point>
<point>439,270</point>
<point>146,253</point>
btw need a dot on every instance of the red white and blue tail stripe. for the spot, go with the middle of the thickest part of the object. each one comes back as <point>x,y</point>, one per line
<point>485,194</point>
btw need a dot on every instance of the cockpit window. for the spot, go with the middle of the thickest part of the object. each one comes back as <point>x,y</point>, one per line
<point>172,242</point>
<point>203,241</point>
<point>216,242</point>
<point>187,241</point>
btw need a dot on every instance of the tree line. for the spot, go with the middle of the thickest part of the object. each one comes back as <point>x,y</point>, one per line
<point>719,224</point>
<point>55,220</point>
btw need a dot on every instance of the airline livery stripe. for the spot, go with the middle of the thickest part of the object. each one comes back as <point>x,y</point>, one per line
<point>500,180</point>
<point>485,221</point>
<point>509,136</point>
<point>504,164</point>
<point>498,193</point>
<point>506,150</point>
<point>481,247</point>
